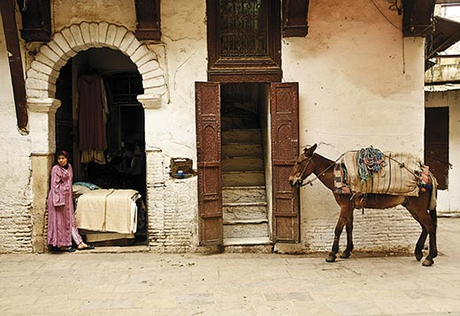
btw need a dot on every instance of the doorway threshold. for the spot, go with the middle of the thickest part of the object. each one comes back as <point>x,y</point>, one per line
<point>117,249</point>
<point>250,241</point>
<point>248,245</point>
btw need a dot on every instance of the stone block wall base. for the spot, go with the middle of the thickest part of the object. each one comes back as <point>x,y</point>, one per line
<point>209,250</point>
<point>41,168</point>
<point>288,248</point>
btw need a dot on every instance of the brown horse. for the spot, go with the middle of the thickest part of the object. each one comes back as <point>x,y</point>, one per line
<point>309,162</point>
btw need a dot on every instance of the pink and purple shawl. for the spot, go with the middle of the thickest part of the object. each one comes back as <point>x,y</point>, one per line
<point>60,207</point>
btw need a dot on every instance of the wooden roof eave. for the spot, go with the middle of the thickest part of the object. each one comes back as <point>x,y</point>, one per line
<point>7,10</point>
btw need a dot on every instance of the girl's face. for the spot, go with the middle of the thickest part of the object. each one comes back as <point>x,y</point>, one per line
<point>62,160</point>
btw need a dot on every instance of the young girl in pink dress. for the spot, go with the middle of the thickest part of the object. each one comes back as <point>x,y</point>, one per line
<point>62,226</point>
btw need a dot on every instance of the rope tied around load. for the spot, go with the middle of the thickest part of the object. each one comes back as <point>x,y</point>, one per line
<point>369,160</point>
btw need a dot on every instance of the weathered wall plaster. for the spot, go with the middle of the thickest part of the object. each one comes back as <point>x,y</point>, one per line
<point>360,85</point>
<point>170,130</point>
<point>15,177</point>
<point>68,12</point>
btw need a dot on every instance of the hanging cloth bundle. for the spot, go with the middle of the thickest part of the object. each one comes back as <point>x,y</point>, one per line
<point>92,118</point>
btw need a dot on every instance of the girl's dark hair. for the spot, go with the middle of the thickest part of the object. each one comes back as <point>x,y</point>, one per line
<point>62,153</point>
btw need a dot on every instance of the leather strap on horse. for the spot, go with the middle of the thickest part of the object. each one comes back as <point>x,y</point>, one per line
<point>310,182</point>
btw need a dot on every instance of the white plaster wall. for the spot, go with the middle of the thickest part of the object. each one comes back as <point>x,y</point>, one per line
<point>68,12</point>
<point>184,38</point>
<point>449,200</point>
<point>15,187</point>
<point>183,55</point>
<point>360,84</point>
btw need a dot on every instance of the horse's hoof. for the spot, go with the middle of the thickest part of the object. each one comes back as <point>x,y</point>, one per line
<point>345,255</point>
<point>419,256</point>
<point>330,258</point>
<point>427,262</point>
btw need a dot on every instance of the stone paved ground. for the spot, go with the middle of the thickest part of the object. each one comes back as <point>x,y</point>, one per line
<point>232,284</point>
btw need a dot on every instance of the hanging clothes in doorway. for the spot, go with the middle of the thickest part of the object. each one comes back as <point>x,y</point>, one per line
<point>92,118</point>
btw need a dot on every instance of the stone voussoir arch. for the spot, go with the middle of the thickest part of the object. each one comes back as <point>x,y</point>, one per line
<point>44,69</point>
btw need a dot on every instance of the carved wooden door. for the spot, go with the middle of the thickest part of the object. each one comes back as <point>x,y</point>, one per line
<point>284,109</point>
<point>208,133</point>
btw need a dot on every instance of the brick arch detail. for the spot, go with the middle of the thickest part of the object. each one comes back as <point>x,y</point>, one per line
<point>44,69</point>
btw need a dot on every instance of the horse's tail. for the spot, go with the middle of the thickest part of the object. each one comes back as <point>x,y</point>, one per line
<point>433,194</point>
<point>434,215</point>
<point>433,200</point>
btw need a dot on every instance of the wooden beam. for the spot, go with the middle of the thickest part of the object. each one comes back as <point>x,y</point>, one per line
<point>295,18</point>
<point>148,20</point>
<point>36,20</point>
<point>14,54</point>
<point>446,34</point>
<point>417,17</point>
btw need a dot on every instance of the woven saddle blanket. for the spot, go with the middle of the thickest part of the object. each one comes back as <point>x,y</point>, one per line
<point>398,174</point>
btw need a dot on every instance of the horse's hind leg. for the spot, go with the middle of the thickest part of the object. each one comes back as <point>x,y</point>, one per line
<point>349,228</point>
<point>428,221</point>
<point>432,233</point>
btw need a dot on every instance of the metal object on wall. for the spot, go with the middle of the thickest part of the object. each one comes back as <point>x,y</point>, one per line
<point>182,168</point>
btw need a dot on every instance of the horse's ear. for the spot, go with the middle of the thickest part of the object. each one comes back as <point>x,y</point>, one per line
<point>309,151</point>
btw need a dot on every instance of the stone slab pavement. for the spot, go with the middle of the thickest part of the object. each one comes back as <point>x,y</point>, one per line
<point>88,283</point>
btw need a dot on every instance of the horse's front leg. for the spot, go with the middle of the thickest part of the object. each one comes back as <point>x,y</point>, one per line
<point>349,228</point>
<point>420,244</point>
<point>338,230</point>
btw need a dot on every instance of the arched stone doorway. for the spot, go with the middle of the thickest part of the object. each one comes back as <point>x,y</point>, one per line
<point>41,89</point>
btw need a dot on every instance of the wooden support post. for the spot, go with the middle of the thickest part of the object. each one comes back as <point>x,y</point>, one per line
<point>36,20</point>
<point>295,18</point>
<point>148,20</point>
<point>14,55</point>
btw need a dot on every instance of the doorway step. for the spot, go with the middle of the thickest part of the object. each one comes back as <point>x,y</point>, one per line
<point>244,197</point>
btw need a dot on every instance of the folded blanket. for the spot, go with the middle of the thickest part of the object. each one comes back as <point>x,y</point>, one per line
<point>396,176</point>
<point>121,214</point>
<point>91,209</point>
<point>108,211</point>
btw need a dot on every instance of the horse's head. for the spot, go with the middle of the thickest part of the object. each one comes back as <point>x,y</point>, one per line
<point>303,166</point>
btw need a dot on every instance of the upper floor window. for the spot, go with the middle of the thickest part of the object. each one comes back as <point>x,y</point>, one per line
<point>243,28</point>
<point>244,40</point>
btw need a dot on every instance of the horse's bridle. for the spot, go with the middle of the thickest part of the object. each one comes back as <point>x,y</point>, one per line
<point>303,170</point>
<point>310,182</point>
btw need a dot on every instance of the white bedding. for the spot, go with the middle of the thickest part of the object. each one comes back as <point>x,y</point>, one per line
<point>108,210</point>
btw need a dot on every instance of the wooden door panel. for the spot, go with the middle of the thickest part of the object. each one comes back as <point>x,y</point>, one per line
<point>284,110</point>
<point>284,187</point>
<point>208,133</point>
